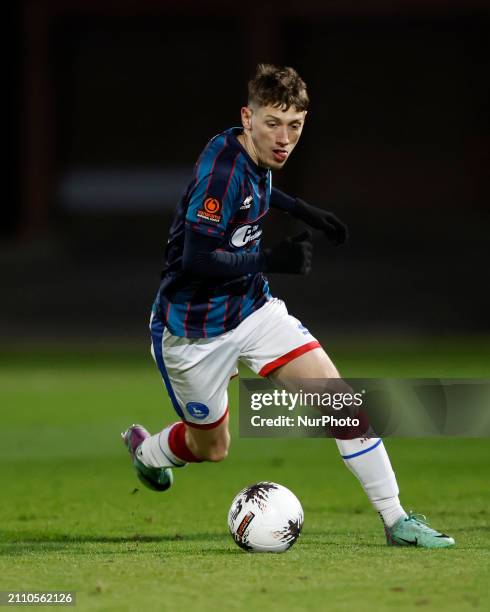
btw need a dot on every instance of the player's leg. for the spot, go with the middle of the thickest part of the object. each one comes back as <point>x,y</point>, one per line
<point>182,443</point>
<point>196,373</point>
<point>366,457</point>
<point>312,364</point>
<point>278,346</point>
<point>209,444</point>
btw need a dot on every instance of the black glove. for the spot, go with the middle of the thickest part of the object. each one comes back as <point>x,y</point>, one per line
<point>292,255</point>
<point>323,220</point>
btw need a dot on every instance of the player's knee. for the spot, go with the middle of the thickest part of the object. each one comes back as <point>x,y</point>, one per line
<point>212,450</point>
<point>217,453</point>
<point>209,445</point>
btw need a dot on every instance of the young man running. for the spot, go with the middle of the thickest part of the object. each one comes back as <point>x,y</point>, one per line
<point>214,306</point>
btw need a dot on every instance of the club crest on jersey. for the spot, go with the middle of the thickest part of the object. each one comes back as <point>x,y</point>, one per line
<point>247,202</point>
<point>245,234</point>
<point>210,210</point>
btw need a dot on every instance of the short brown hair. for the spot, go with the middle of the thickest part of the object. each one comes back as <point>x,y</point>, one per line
<point>279,86</point>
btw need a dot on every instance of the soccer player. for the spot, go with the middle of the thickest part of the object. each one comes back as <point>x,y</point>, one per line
<point>214,307</point>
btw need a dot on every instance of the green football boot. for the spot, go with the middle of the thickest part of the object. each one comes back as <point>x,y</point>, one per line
<point>414,530</point>
<point>157,479</point>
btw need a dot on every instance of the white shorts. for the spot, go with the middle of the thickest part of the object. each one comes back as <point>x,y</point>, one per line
<point>196,371</point>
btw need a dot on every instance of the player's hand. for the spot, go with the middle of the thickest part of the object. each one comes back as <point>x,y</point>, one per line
<point>291,256</point>
<point>322,220</point>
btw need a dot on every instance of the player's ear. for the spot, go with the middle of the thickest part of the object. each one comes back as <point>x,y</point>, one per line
<point>246,113</point>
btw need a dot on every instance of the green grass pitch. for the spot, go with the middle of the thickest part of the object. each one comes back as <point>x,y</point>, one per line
<point>74,517</point>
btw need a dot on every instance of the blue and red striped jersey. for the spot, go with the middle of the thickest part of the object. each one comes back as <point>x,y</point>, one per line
<point>227,199</point>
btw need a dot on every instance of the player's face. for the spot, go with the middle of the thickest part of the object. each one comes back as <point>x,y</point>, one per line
<point>271,133</point>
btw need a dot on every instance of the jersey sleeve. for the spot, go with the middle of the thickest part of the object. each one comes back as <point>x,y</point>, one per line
<point>215,196</point>
<point>203,258</point>
<point>282,201</point>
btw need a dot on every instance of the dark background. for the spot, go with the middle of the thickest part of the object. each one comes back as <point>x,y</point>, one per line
<point>112,103</point>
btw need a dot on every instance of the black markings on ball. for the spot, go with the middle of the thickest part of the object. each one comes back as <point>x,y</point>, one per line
<point>258,493</point>
<point>290,533</point>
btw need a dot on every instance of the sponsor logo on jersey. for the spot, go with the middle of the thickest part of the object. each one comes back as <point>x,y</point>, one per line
<point>211,205</point>
<point>197,410</point>
<point>210,210</point>
<point>245,234</point>
<point>247,202</point>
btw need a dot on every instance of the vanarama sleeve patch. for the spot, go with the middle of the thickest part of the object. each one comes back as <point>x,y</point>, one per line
<point>210,211</point>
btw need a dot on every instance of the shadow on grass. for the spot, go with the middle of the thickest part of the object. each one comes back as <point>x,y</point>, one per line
<point>19,542</point>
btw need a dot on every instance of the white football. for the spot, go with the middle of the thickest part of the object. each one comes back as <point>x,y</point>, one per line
<point>265,517</point>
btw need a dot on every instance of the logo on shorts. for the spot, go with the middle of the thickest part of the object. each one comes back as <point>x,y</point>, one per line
<point>197,410</point>
<point>210,210</point>
<point>302,328</point>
